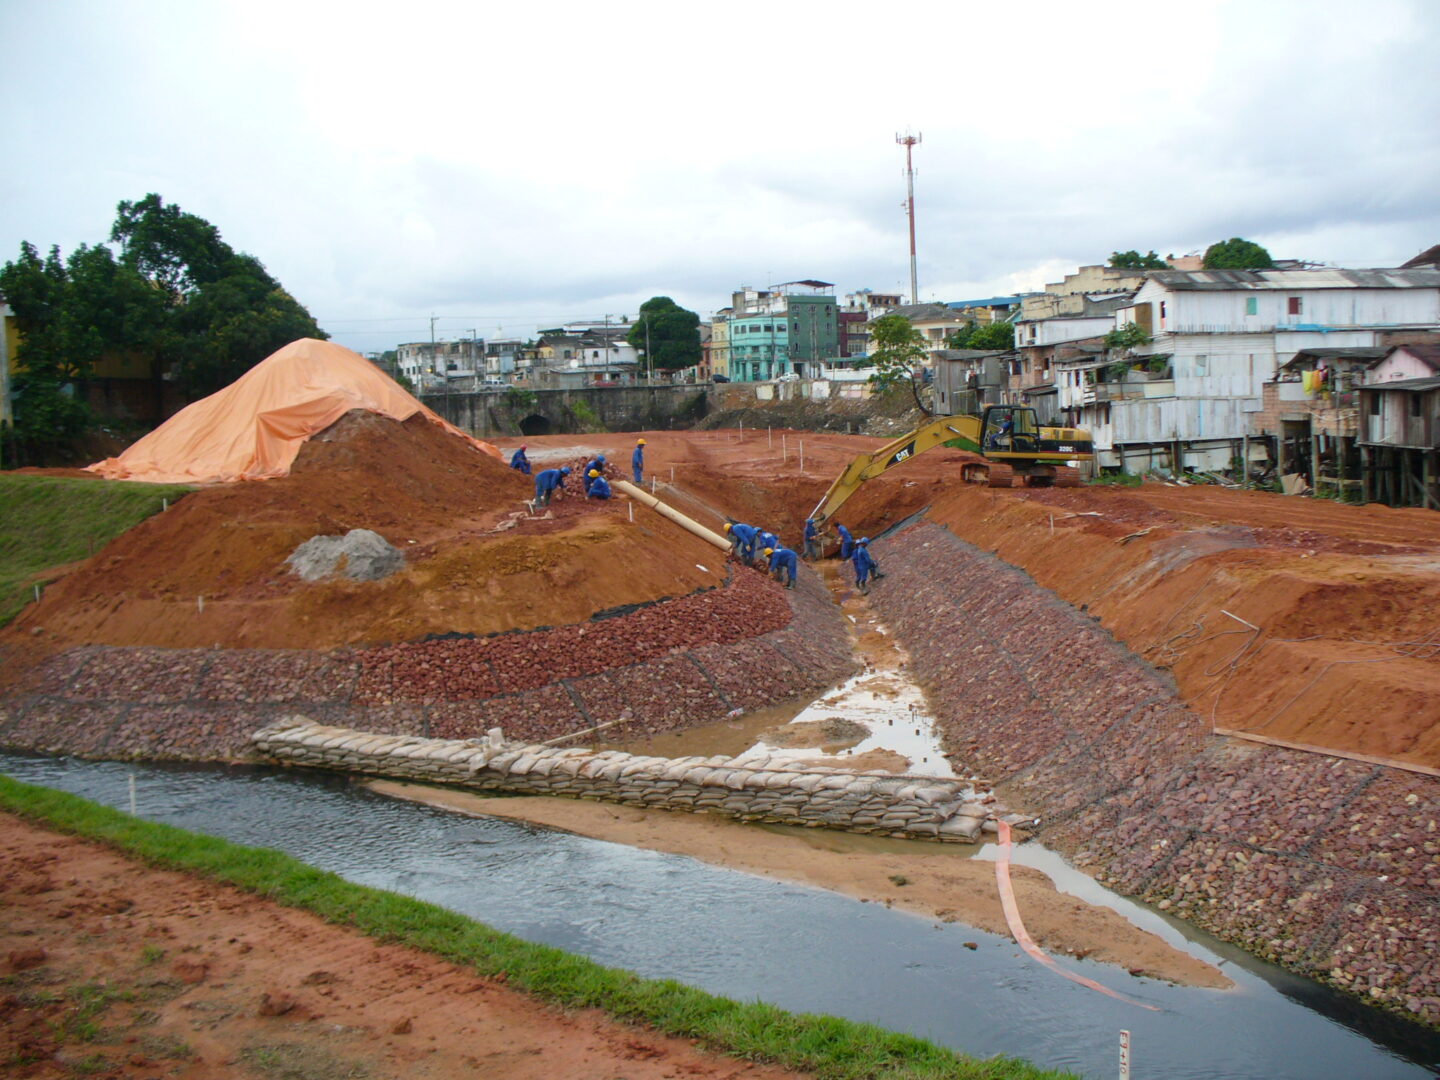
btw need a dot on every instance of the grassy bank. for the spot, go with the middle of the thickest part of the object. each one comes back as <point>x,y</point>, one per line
<point>824,1045</point>
<point>46,521</point>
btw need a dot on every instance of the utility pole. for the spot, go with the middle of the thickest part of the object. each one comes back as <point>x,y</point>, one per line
<point>649,363</point>
<point>908,141</point>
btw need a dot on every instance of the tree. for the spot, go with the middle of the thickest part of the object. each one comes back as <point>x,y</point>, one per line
<point>1130,336</point>
<point>667,333</point>
<point>1237,254</point>
<point>973,335</point>
<point>898,350</point>
<point>1133,260</point>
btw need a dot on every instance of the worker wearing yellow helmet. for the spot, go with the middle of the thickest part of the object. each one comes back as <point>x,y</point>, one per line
<point>743,539</point>
<point>599,486</point>
<point>637,462</point>
<point>782,565</point>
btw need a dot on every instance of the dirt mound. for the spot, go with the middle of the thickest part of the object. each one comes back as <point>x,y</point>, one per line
<point>449,507</point>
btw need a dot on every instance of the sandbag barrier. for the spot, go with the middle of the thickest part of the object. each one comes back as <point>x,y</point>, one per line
<point>1326,866</point>
<point>915,808</point>
<point>204,704</point>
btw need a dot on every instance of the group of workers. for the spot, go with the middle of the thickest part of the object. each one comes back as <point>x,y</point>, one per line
<point>759,547</point>
<point>596,485</point>
<point>752,545</point>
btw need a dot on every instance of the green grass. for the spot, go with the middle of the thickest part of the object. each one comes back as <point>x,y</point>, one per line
<point>49,520</point>
<point>825,1045</point>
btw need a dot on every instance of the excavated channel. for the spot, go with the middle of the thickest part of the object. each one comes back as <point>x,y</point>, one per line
<point>750,937</point>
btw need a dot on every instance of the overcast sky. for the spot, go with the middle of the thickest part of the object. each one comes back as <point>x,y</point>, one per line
<point>508,166</point>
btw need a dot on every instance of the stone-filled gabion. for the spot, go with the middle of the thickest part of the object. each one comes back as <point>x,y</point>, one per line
<point>668,665</point>
<point>1328,866</point>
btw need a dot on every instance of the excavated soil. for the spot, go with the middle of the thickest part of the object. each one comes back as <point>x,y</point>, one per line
<point>211,571</point>
<point>189,979</point>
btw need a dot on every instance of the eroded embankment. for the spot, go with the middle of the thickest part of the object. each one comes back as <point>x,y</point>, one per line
<point>662,666</point>
<point>1328,866</point>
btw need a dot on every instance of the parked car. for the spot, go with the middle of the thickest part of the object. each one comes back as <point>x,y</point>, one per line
<point>493,384</point>
<point>789,376</point>
<point>720,378</point>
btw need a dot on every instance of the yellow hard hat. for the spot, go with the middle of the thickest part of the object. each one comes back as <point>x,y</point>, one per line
<point>639,442</point>
<point>769,551</point>
<point>594,472</point>
<point>727,526</point>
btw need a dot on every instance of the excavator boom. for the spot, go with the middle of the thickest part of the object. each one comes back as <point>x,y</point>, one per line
<point>1012,445</point>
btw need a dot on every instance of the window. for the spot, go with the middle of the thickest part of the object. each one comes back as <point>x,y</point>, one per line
<point>769,329</point>
<point>1292,305</point>
<point>1162,311</point>
<point>1415,404</point>
<point>1202,365</point>
<point>1374,405</point>
<point>1252,305</point>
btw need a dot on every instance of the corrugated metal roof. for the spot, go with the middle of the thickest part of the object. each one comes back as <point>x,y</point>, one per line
<point>1295,280</point>
<point>1430,382</point>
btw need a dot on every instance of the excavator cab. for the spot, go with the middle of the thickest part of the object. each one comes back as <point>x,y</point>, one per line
<point>1009,429</point>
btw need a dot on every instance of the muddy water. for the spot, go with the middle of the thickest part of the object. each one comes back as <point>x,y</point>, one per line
<point>876,720</point>
<point>749,937</point>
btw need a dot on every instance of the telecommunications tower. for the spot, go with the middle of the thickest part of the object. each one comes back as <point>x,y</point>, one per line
<point>908,141</point>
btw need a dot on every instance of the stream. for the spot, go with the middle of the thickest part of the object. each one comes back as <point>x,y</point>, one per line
<point>804,949</point>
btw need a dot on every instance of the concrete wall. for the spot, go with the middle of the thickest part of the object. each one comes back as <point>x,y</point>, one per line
<point>617,408</point>
<point>914,808</point>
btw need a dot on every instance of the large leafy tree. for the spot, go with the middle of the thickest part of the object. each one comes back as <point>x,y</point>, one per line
<point>667,333</point>
<point>1133,260</point>
<point>898,351</point>
<point>226,312</point>
<point>1237,254</point>
<point>177,296</point>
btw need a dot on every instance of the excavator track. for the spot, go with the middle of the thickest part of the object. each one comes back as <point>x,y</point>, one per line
<point>1002,476</point>
<point>1065,477</point>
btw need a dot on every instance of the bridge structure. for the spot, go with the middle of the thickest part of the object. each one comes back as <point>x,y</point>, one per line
<point>514,411</point>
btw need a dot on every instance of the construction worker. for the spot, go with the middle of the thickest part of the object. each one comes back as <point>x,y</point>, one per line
<point>847,543</point>
<point>863,563</point>
<point>599,486</point>
<point>812,540</point>
<point>594,465</point>
<point>782,565</point>
<point>637,462</point>
<point>743,537</point>
<point>518,460</point>
<point>765,539</point>
<point>548,482</point>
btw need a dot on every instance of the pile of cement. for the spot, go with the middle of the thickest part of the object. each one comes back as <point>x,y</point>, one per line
<point>361,555</point>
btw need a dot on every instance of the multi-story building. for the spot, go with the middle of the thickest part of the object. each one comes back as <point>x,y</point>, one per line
<point>719,344</point>
<point>1186,398</point>
<point>586,354</point>
<point>861,309</point>
<point>784,329</point>
<point>433,361</point>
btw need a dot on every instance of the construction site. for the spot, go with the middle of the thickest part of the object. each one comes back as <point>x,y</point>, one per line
<point>1222,705</point>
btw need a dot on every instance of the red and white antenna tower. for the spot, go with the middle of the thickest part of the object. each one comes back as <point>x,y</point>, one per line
<point>908,141</point>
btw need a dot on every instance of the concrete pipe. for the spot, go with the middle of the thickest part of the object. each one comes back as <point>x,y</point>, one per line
<point>690,524</point>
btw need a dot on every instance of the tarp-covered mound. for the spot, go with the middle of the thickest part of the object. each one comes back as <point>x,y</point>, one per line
<point>253,429</point>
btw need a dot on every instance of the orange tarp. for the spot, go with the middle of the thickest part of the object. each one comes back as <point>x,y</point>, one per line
<point>253,429</point>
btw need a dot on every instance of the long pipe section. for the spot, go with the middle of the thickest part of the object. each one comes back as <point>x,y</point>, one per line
<point>690,524</point>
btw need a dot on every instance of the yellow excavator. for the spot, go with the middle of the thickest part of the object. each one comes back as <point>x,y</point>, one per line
<point>1015,451</point>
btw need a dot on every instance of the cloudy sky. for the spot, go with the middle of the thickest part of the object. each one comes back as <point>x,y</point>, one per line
<point>508,166</point>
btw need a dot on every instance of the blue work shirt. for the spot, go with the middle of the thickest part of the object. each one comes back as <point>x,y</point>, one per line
<point>783,557</point>
<point>518,460</point>
<point>599,488</point>
<point>548,480</point>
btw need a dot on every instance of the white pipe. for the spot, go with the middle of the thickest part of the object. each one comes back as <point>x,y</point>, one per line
<point>690,524</point>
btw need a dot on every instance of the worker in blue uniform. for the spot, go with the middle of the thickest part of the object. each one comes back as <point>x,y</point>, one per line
<point>847,542</point>
<point>812,540</point>
<point>743,537</point>
<point>595,465</point>
<point>766,539</point>
<point>782,565</point>
<point>548,482</point>
<point>864,565</point>
<point>637,462</point>
<point>518,460</point>
<point>599,486</point>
